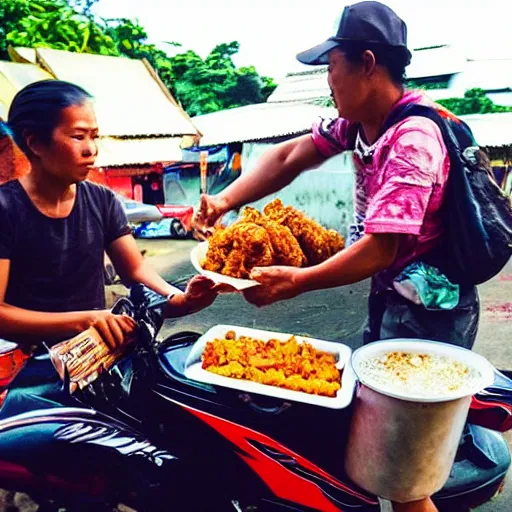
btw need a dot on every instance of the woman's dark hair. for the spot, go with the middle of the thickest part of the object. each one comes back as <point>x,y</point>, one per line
<point>394,58</point>
<point>36,109</point>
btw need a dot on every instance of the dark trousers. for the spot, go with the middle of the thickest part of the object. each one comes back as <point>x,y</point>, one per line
<point>36,387</point>
<point>392,316</point>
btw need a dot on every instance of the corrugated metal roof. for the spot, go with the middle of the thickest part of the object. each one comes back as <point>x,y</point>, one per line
<point>129,100</point>
<point>486,74</point>
<point>306,87</point>
<point>21,54</point>
<point>258,122</point>
<point>492,130</point>
<point>271,121</point>
<point>115,152</point>
<point>437,61</point>
<point>21,75</point>
<point>489,74</point>
<point>13,77</point>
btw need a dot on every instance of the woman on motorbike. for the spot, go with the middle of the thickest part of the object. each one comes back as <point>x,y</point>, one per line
<point>55,229</point>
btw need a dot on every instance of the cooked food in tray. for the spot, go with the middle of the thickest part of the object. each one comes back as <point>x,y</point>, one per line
<point>289,364</point>
<point>278,236</point>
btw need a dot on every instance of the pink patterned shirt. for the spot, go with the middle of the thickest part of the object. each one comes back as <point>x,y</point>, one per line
<point>400,179</point>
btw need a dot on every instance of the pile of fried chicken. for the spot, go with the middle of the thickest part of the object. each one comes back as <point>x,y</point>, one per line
<point>281,235</point>
<point>290,364</point>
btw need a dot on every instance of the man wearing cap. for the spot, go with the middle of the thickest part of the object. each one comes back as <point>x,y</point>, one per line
<point>401,177</point>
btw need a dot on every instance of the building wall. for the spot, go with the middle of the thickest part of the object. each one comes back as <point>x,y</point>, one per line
<point>325,193</point>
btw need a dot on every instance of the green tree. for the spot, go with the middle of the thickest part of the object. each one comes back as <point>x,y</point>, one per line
<point>475,101</point>
<point>201,85</point>
<point>11,13</point>
<point>212,84</point>
<point>54,24</point>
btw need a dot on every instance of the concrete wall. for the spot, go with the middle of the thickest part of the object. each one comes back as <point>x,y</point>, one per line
<point>325,193</point>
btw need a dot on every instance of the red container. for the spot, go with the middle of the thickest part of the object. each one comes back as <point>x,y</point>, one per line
<point>12,360</point>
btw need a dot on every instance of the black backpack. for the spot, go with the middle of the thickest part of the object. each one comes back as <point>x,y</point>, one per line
<point>477,242</point>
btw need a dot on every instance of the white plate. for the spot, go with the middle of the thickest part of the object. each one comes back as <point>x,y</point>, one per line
<point>198,255</point>
<point>413,346</point>
<point>343,398</point>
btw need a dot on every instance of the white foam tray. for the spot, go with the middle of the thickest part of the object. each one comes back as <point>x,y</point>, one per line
<point>198,255</point>
<point>343,398</point>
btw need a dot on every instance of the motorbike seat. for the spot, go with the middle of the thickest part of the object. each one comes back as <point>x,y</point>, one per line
<point>173,356</point>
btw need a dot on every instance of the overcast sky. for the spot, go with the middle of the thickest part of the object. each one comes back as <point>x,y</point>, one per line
<point>272,32</point>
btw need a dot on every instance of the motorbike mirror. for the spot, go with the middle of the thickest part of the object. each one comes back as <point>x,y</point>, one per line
<point>123,305</point>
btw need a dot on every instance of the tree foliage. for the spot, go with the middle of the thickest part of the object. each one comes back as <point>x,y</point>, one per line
<point>475,101</point>
<point>201,85</point>
<point>53,24</point>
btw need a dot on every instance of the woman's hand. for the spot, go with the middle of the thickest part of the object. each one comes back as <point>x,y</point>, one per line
<point>115,330</point>
<point>211,209</point>
<point>201,292</point>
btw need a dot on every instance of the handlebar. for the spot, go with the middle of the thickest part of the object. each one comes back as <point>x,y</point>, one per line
<point>80,360</point>
<point>140,302</point>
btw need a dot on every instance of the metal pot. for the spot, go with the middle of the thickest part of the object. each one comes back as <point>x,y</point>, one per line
<point>402,447</point>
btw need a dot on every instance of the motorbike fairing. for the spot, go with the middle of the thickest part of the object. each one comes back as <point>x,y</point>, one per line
<point>81,454</point>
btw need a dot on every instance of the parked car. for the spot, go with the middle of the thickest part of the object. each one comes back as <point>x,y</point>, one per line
<point>147,218</point>
<point>138,212</point>
<point>180,224</point>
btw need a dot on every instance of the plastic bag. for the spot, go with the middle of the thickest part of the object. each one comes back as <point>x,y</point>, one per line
<point>425,285</point>
<point>83,358</point>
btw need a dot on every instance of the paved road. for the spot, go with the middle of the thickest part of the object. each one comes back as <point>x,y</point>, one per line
<point>337,315</point>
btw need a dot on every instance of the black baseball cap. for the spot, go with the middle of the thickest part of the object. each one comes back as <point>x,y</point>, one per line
<point>364,22</point>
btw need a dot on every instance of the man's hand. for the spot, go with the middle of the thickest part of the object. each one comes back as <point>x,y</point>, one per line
<point>276,283</point>
<point>114,329</point>
<point>211,209</point>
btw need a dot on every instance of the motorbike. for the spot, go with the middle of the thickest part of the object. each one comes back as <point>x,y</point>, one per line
<point>145,437</point>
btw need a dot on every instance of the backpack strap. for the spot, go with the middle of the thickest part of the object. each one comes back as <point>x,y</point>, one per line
<point>456,134</point>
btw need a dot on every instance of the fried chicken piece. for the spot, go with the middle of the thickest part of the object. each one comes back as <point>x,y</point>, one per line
<point>279,236</point>
<point>235,250</point>
<point>317,243</point>
<point>250,214</point>
<point>286,248</point>
<point>252,241</point>
<point>335,240</point>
